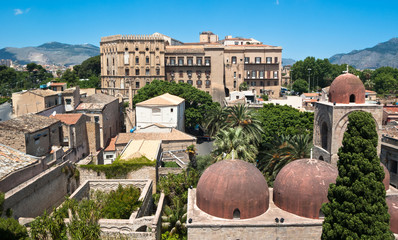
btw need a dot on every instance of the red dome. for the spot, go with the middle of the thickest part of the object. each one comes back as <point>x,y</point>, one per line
<point>347,88</point>
<point>302,186</point>
<point>386,180</point>
<point>232,186</point>
<point>392,203</point>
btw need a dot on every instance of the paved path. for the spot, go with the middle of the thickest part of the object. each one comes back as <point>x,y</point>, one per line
<point>5,111</point>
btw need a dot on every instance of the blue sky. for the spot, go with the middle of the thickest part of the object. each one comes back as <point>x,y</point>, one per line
<point>319,28</point>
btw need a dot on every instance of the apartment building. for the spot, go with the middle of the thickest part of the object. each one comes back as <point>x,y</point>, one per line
<point>212,65</point>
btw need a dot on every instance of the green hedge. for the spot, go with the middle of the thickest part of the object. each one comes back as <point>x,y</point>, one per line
<point>119,168</point>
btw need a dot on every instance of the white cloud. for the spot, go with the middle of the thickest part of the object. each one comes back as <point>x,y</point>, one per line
<point>18,11</point>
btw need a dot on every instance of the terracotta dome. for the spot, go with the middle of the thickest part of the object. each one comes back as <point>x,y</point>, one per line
<point>232,189</point>
<point>302,186</point>
<point>386,180</point>
<point>347,88</point>
<point>392,203</point>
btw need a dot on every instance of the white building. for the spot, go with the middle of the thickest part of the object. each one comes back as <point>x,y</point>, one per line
<point>167,110</point>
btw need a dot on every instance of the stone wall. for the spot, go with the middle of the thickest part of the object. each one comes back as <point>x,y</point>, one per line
<point>142,173</point>
<point>93,136</point>
<point>272,232</point>
<point>21,175</point>
<point>43,192</point>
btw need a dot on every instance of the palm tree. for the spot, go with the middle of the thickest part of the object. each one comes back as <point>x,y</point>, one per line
<point>282,151</point>
<point>242,116</point>
<point>214,121</point>
<point>369,84</point>
<point>232,143</point>
<point>174,219</point>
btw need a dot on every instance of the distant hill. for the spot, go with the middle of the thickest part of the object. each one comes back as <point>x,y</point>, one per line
<point>51,53</point>
<point>287,61</point>
<point>382,55</point>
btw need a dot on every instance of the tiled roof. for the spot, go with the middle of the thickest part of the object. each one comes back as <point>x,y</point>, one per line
<point>98,98</point>
<point>311,94</point>
<point>162,100</point>
<point>391,110</point>
<point>111,146</point>
<point>370,92</point>
<point>12,160</point>
<point>54,84</point>
<point>69,119</point>
<point>44,92</point>
<point>28,123</point>
<point>137,148</point>
<point>155,124</point>
<point>176,135</point>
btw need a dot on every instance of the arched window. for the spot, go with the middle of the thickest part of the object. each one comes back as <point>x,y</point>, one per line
<point>236,214</point>
<point>352,98</point>
<point>190,82</point>
<point>324,136</point>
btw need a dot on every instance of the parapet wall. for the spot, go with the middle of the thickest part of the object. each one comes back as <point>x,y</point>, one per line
<point>43,192</point>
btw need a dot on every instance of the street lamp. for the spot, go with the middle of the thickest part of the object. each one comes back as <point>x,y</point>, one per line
<point>309,80</point>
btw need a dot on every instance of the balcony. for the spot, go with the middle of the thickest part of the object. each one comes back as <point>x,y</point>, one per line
<point>188,65</point>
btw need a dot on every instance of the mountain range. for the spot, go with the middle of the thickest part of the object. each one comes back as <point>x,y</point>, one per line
<point>381,55</point>
<point>51,53</point>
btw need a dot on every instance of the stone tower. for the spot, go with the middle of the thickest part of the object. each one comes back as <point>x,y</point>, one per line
<point>346,94</point>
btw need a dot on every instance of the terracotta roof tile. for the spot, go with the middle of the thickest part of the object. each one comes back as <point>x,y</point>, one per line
<point>54,84</point>
<point>111,147</point>
<point>69,119</point>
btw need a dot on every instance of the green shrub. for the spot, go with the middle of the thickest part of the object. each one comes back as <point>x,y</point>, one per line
<point>119,168</point>
<point>171,165</point>
<point>10,229</point>
<point>121,203</point>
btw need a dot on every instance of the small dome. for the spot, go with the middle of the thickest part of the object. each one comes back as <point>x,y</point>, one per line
<point>347,88</point>
<point>232,189</point>
<point>302,186</point>
<point>392,203</point>
<point>386,180</point>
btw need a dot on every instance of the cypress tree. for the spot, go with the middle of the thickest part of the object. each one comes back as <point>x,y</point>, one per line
<point>357,207</point>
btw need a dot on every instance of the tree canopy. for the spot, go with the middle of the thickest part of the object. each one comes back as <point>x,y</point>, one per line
<point>197,102</point>
<point>277,120</point>
<point>357,207</point>
<point>300,86</point>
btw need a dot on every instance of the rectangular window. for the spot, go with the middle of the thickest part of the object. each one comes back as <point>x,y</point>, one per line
<point>147,71</point>
<point>155,110</point>
<point>275,74</point>
<point>171,109</point>
<point>233,60</point>
<point>269,60</point>
<point>236,43</point>
<point>147,60</point>
<point>234,74</point>
<point>254,74</point>
<point>180,61</point>
<point>261,74</point>
<point>276,60</point>
<point>96,119</point>
<point>234,84</point>
<point>68,101</point>
<point>276,83</point>
<point>137,60</point>
<point>261,83</point>
<point>248,74</point>
<point>268,83</point>
<point>258,60</point>
<point>253,83</point>
<point>157,71</point>
<point>137,71</point>
<point>189,73</point>
<point>190,61</point>
<point>127,72</point>
<point>240,76</point>
<point>137,84</point>
<point>172,61</point>
<point>109,156</point>
<point>199,61</point>
<point>207,61</point>
<point>247,59</point>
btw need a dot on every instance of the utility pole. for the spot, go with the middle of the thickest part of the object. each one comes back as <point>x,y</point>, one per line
<point>309,79</point>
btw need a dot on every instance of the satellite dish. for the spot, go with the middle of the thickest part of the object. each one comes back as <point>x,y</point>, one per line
<point>54,113</point>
